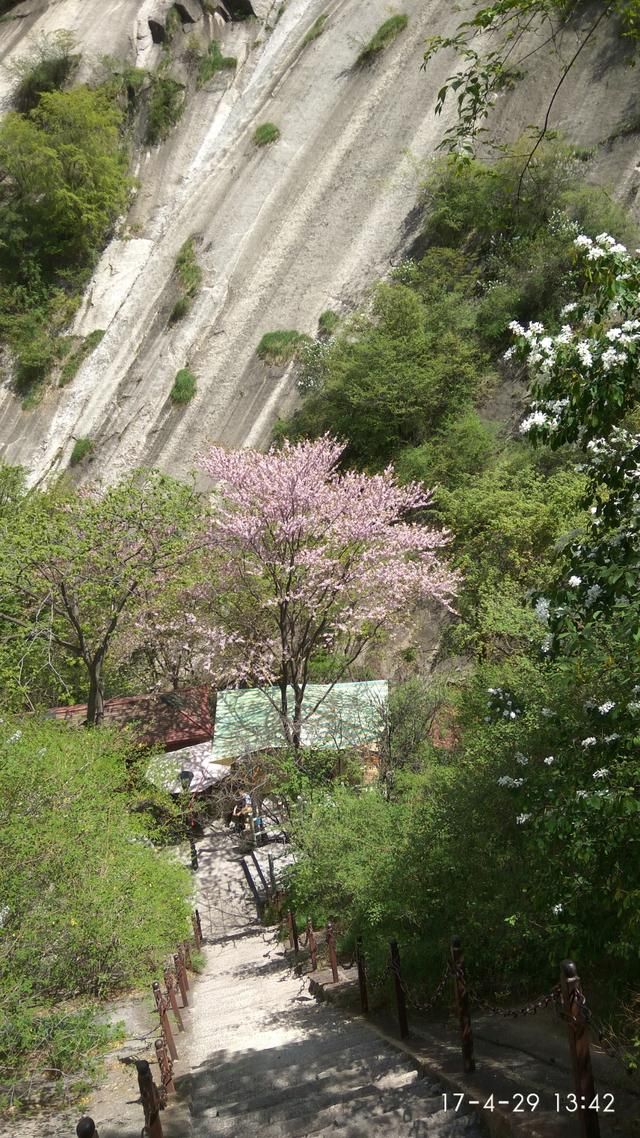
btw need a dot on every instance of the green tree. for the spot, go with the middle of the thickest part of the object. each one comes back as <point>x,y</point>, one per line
<point>63,183</point>
<point>74,564</point>
<point>388,379</point>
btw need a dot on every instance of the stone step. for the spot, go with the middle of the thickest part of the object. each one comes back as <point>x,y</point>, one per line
<point>384,1074</point>
<point>401,1123</point>
<point>318,1057</point>
<point>308,1114</point>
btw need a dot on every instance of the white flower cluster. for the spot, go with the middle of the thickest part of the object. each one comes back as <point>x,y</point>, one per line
<point>590,742</point>
<point>512,783</point>
<point>549,760</point>
<point>606,707</point>
<point>542,610</point>
<point>604,245</point>
<point>522,818</point>
<point>602,773</point>
<point>501,703</point>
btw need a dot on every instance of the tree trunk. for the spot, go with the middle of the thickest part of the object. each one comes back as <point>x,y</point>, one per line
<point>95,708</point>
<point>296,733</point>
<point>284,710</point>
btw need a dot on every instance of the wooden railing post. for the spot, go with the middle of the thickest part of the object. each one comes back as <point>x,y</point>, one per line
<point>401,1003</point>
<point>313,945</point>
<point>572,1003</point>
<point>165,1063</point>
<point>86,1128</point>
<point>462,1004</point>
<point>197,929</point>
<point>161,1005</point>
<point>331,944</point>
<point>362,977</point>
<point>293,932</point>
<point>186,956</point>
<point>181,977</point>
<point>150,1097</point>
<point>272,876</point>
<point>170,984</point>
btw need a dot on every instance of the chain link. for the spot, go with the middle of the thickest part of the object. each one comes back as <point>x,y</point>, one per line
<point>412,999</point>
<point>553,997</point>
<point>598,1031</point>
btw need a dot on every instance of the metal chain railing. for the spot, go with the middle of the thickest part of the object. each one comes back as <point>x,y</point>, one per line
<point>421,1005</point>
<point>531,1008</point>
<point>599,1032</point>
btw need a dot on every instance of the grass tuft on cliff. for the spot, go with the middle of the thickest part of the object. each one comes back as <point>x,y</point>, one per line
<point>385,35</point>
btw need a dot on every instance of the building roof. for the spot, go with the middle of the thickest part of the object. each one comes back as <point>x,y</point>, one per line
<point>164,770</point>
<point>175,719</point>
<point>338,717</point>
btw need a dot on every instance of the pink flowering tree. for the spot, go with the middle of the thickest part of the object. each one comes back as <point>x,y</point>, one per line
<point>310,559</point>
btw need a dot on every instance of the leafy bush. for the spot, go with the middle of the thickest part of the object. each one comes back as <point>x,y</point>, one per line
<point>316,29</point>
<point>50,64</point>
<point>280,347</point>
<point>64,184</point>
<point>91,906</point>
<point>385,35</point>
<point>388,378</point>
<point>166,104</point>
<point>459,452</point>
<point>213,62</point>
<point>184,386</point>
<point>81,448</point>
<point>265,134</point>
<point>328,322</point>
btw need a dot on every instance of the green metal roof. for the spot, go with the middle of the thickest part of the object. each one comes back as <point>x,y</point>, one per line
<point>345,715</point>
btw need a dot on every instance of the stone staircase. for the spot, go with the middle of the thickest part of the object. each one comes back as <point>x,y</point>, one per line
<point>263,1057</point>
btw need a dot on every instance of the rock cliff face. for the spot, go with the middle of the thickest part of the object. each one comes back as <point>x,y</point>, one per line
<point>283,232</point>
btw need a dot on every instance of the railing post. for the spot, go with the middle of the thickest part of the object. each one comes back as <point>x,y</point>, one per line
<point>197,929</point>
<point>293,932</point>
<point>401,1003</point>
<point>572,1003</point>
<point>313,945</point>
<point>331,944</point>
<point>170,983</point>
<point>362,977</point>
<point>259,872</point>
<point>161,1005</point>
<point>150,1100</point>
<point>462,1004</point>
<point>252,886</point>
<point>86,1128</point>
<point>165,1063</point>
<point>181,978</point>
<point>186,956</point>
<point>193,852</point>
<point>272,876</point>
